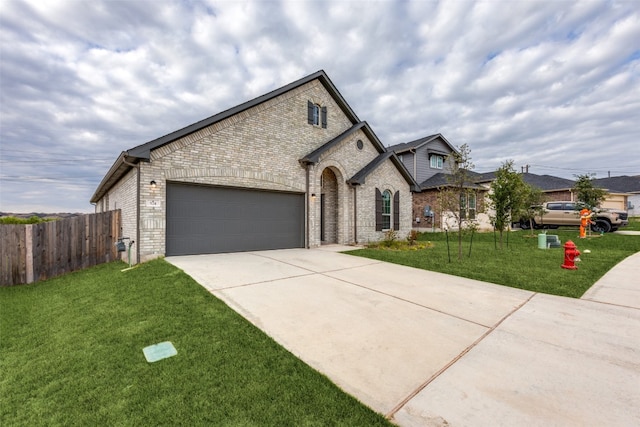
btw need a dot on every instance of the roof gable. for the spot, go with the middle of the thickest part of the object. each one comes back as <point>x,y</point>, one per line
<point>360,177</point>
<point>143,151</point>
<point>314,156</point>
<point>421,142</point>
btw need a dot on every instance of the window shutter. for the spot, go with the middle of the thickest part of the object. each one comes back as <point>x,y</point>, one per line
<point>378,210</point>
<point>396,211</point>
<point>324,117</point>
<point>310,112</point>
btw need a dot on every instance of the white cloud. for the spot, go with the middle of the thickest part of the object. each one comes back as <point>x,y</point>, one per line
<point>552,84</point>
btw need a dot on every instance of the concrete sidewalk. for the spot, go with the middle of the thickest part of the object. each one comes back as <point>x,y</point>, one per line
<point>426,348</point>
<point>620,285</point>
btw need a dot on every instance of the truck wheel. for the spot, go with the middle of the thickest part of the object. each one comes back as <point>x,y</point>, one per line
<point>524,225</point>
<point>601,226</point>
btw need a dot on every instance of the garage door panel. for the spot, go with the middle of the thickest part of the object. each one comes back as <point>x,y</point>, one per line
<point>203,219</point>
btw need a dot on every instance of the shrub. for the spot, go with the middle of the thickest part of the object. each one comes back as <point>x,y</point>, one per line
<point>15,220</point>
<point>412,237</point>
<point>390,237</point>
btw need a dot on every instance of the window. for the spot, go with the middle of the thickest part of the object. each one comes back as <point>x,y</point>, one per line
<point>437,161</point>
<point>316,115</point>
<point>468,206</point>
<point>385,213</point>
<point>386,210</point>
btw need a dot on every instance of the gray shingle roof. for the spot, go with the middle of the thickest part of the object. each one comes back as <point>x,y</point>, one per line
<point>547,182</point>
<point>143,152</point>
<point>543,182</point>
<point>621,184</point>
<point>398,148</point>
<point>406,146</point>
<point>442,180</point>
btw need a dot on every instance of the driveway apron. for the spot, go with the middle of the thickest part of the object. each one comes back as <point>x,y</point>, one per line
<point>426,348</point>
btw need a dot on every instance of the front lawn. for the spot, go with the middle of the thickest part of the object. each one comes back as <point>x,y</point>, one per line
<point>521,264</point>
<point>634,224</point>
<point>71,354</point>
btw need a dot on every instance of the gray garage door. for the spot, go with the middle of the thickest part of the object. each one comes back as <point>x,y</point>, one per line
<point>207,220</point>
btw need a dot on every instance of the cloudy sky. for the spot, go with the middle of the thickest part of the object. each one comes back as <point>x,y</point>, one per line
<point>552,84</point>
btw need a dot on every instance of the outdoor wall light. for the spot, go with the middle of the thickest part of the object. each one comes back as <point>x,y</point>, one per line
<point>152,184</point>
<point>313,196</point>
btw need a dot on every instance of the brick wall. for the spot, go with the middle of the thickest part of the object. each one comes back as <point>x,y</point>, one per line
<point>345,160</point>
<point>260,148</point>
<point>123,196</point>
<point>385,177</point>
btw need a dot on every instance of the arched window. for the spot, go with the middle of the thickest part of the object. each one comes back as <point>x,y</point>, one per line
<point>387,215</point>
<point>386,210</point>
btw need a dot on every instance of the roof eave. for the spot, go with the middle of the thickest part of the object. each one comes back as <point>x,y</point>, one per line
<point>120,167</point>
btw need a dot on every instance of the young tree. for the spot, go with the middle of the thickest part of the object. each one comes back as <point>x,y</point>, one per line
<point>532,200</point>
<point>586,193</point>
<point>457,189</point>
<point>506,197</point>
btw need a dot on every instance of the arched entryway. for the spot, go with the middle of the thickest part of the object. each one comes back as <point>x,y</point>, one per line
<point>329,207</point>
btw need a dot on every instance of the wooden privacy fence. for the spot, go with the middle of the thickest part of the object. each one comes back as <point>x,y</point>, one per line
<point>33,252</point>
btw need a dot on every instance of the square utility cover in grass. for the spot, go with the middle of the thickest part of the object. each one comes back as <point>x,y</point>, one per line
<point>70,355</point>
<point>159,351</point>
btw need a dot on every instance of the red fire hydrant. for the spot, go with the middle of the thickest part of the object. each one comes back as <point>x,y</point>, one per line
<point>571,254</point>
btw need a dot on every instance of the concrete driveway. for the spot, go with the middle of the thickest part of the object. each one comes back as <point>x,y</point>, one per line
<point>426,348</point>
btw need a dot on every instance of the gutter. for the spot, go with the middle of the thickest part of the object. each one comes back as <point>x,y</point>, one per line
<point>308,206</point>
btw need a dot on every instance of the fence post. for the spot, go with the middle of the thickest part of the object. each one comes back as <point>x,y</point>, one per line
<point>29,252</point>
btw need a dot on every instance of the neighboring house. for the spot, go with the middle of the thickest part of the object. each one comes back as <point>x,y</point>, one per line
<point>619,189</point>
<point>292,168</point>
<point>624,193</point>
<point>552,187</point>
<point>429,161</point>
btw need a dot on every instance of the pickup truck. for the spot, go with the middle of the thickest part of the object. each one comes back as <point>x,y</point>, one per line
<point>555,214</point>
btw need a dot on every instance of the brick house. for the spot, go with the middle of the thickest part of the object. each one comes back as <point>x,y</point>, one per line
<point>429,160</point>
<point>292,168</point>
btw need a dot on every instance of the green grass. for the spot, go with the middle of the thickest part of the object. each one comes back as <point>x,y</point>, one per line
<point>521,264</point>
<point>634,224</point>
<point>32,220</point>
<point>71,354</point>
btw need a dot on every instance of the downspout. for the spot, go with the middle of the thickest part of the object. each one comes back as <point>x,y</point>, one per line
<point>306,234</point>
<point>355,214</point>
<point>137,166</point>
